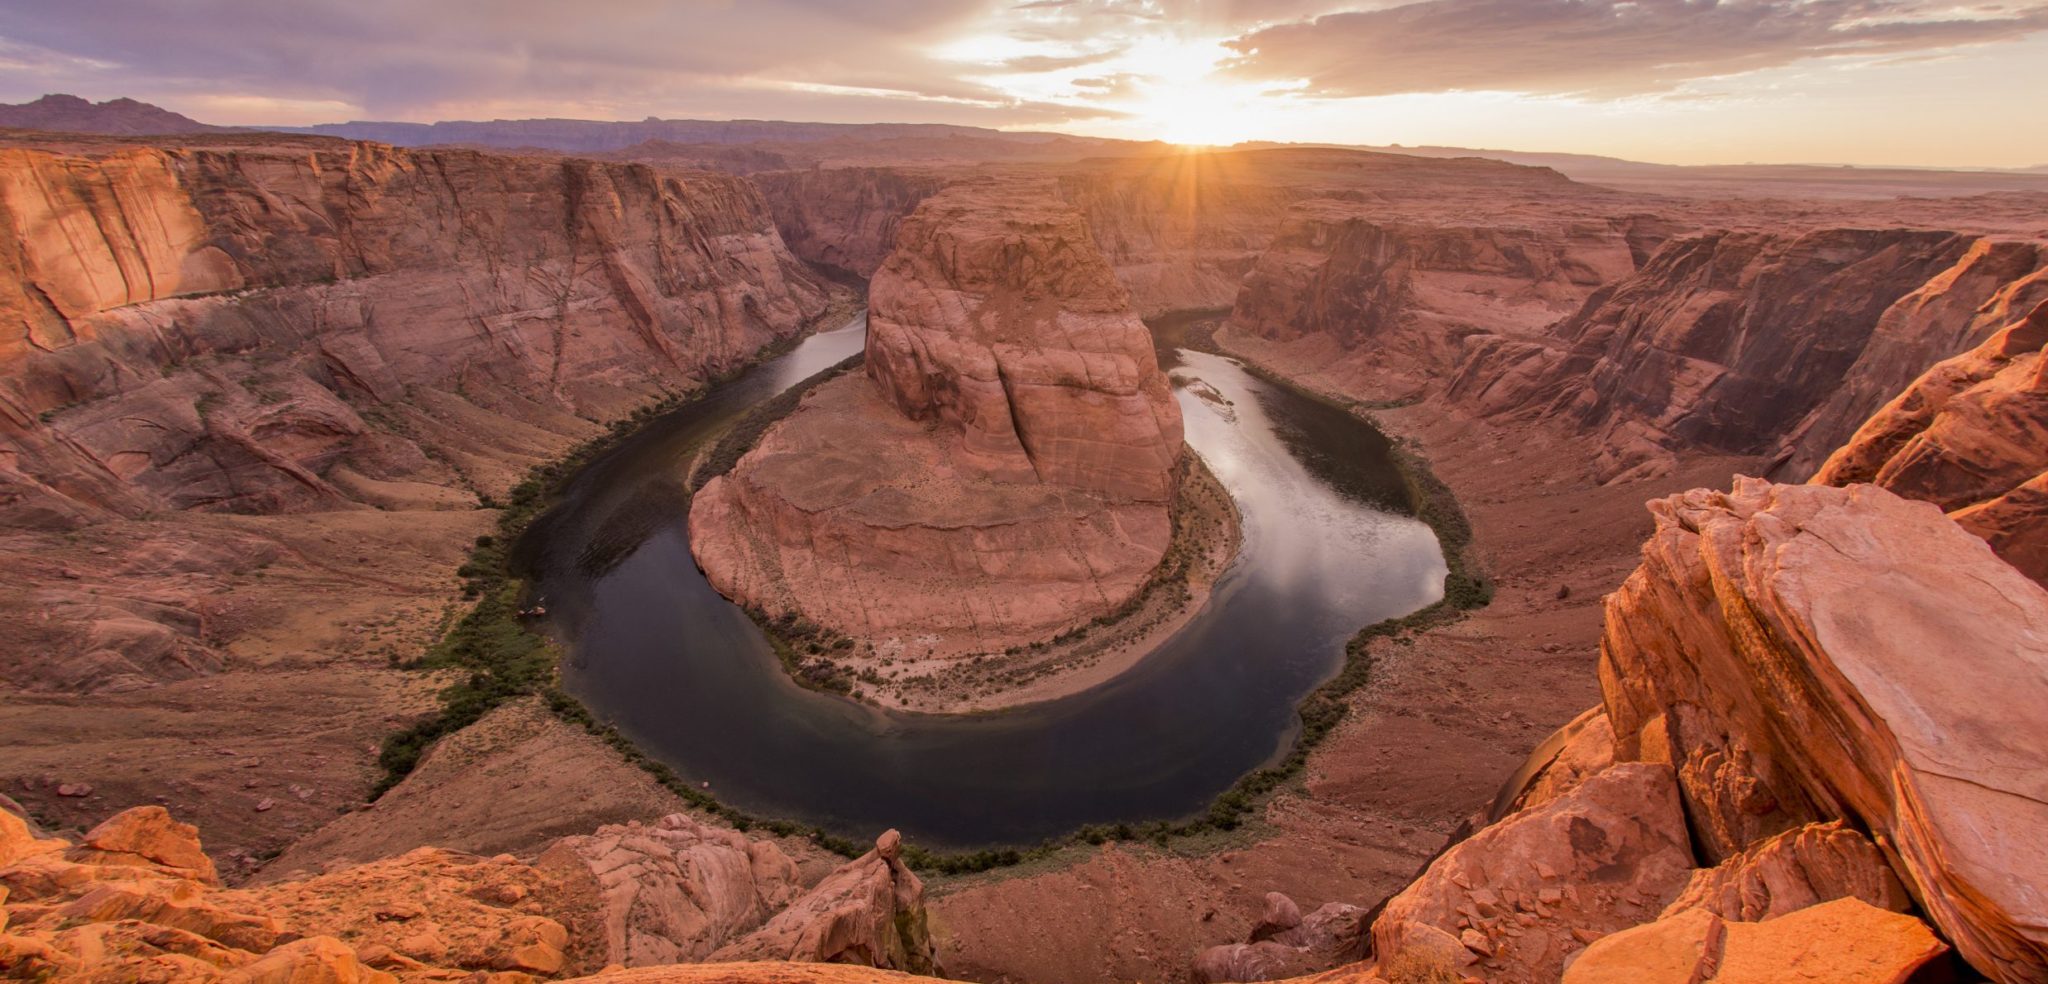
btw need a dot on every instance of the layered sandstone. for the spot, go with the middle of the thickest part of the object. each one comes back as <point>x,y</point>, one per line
<point>846,218</point>
<point>1002,471</point>
<point>1775,649</point>
<point>1523,896</point>
<point>1844,941</point>
<point>213,327</point>
<point>1970,436</point>
<point>1394,304</point>
<point>677,890</point>
<point>260,325</point>
<point>1721,342</point>
<point>136,900</point>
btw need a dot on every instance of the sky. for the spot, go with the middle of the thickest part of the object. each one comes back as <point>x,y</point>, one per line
<point>1908,82</point>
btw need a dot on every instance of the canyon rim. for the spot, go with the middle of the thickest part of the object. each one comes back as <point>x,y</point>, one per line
<point>1092,507</point>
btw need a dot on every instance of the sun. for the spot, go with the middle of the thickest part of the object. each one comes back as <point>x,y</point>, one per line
<point>1180,97</point>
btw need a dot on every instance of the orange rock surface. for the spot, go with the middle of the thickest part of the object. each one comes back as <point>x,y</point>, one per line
<point>1806,653</point>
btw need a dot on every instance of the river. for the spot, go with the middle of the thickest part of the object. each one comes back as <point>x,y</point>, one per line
<point>1329,546</point>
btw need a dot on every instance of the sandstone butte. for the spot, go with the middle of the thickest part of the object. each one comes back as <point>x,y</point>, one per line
<point>1002,471</point>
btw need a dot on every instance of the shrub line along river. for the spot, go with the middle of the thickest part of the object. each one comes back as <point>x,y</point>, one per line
<point>1329,546</point>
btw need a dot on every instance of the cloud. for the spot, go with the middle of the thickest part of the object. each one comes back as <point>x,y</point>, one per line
<point>412,60</point>
<point>1601,47</point>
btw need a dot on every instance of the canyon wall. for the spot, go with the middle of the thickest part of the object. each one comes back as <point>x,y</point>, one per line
<point>1001,472</point>
<point>261,325</point>
<point>846,218</point>
<point>1970,436</point>
<point>1753,343</point>
<point>208,328</point>
<point>1408,296</point>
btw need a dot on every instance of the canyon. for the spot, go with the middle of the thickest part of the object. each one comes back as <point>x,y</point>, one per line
<point>266,396</point>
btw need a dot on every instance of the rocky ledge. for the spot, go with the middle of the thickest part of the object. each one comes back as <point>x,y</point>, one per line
<point>1005,470</point>
<point>1818,747</point>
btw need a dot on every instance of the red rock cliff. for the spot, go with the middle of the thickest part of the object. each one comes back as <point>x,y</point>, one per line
<point>1970,436</point>
<point>1752,343</point>
<point>211,327</point>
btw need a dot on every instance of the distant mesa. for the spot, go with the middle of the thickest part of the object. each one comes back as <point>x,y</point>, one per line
<point>117,117</point>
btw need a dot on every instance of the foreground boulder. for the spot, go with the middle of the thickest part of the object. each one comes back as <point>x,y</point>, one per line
<point>1816,863</point>
<point>1841,942</point>
<point>1522,896</point>
<point>130,903</point>
<point>677,890</point>
<point>1285,943</point>
<point>1804,654</point>
<point>147,836</point>
<point>1002,473</point>
<point>869,912</point>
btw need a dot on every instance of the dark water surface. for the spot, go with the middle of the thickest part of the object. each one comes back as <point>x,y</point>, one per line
<point>1328,548</point>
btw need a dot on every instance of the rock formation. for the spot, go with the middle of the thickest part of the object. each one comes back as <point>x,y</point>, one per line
<point>1774,648</point>
<point>1287,944</point>
<point>1522,896</point>
<point>869,912</point>
<point>1995,283</point>
<point>845,217</point>
<point>343,279</point>
<point>1003,471</point>
<point>1393,302</point>
<point>1721,342</point>
<point>1841,941</point>
<point>125,905</point>
<point>1795,686</point>
<point>137,900</point>
<point>1970,436</point>
<point>254,324</point>
<point>678,890</point>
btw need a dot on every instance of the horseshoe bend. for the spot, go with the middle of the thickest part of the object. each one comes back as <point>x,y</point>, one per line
<point>1103,545</point>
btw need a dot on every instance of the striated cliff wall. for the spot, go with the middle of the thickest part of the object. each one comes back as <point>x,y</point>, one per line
<point>1970,436</point>
<point>1753,343</point>
<point>261,327</point>
<point>846,218</point>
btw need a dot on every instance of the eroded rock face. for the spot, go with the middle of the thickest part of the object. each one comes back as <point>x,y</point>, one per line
<point>1003,470</point>
<point>1970,436</point>
<point>1285,943</point>
<point>129,904</point>
<point>1816,863</point>
<point>206,327</point>
<point>1422,297</point>
<point>1994,284</point>
<point>675,891</point>
<point>1722,342</point>
<point>1523,895</point>
<point>846,217</point>
<point>997,316</point>
<point>1841,942</point>
<point>869,912</point>
<point>1802,654</point>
